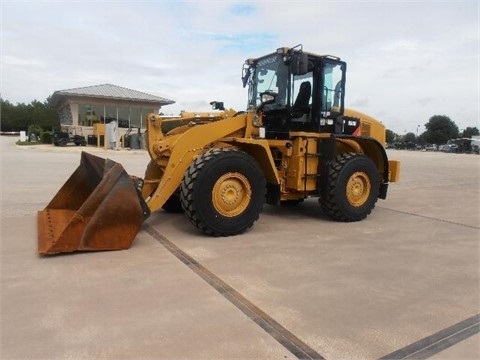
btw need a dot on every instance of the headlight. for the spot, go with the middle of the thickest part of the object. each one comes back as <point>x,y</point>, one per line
<point>267,98</point>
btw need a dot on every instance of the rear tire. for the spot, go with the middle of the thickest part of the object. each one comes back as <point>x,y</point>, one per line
<point>223,192</point>
<point>352,188</point>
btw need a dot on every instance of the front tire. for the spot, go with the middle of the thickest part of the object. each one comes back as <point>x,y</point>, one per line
<point>352,188</point>
<point>223,192</point>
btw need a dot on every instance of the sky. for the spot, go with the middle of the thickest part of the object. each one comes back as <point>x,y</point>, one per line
<point>406,60</point>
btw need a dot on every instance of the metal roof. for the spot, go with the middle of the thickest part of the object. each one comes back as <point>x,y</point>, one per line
<point>109,91</point>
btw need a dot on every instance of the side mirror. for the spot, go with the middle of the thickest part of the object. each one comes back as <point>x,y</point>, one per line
<point>246,72</point>
<point>299,64</point>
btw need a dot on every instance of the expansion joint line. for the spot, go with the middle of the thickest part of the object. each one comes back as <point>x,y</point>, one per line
<point>291,342</point>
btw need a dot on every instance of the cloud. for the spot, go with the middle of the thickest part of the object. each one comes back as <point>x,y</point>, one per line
<point>359,103</point>
<point>15,61</point>
<point>406,61</point>
<point>242,9</point>
<point>424,101</point>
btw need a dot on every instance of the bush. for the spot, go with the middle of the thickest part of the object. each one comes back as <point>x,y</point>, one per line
<point>35,130</point>
<point>46,137</point>
<point>37,135</point>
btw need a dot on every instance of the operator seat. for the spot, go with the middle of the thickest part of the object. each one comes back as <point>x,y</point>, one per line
<point>303,98</point>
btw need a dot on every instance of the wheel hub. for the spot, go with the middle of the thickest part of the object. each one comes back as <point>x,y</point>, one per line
<point>231,194</point>
<point>358,189</point>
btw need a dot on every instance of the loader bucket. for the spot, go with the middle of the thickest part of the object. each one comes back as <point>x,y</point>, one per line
<point>98,208</point>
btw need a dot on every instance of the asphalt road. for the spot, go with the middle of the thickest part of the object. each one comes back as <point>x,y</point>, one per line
<point>404,283</point>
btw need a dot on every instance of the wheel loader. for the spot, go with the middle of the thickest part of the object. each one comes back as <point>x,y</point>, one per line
<point>294,141</point>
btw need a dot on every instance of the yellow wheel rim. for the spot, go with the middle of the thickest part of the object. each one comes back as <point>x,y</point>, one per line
<point>231,194</point>
<point>358,189</point>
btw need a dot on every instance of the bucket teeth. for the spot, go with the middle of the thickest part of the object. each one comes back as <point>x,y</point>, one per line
<point>98,208</point>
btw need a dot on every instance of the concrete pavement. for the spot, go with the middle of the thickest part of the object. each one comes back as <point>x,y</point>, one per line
<point>409,272</point>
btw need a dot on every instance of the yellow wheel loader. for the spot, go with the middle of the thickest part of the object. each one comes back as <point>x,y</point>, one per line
<point>294,141</point>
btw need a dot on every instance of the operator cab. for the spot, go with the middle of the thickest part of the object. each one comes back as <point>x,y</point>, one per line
<point>296,91</point>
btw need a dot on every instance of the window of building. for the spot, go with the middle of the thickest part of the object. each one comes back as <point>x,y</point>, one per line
<point>126,116</point>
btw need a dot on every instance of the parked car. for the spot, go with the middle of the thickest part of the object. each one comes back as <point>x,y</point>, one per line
<point>431,147</point>
<point>63,139</point>
<point>449,148</point>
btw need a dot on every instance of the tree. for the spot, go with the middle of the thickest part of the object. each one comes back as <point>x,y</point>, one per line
<point>470,131</point>
<point>440,129</point>
<point>390,136</point>
<point>421,139</point>
<point>20,117</point>
<point>409,137</point>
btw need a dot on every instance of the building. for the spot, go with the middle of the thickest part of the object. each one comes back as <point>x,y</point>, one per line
<point>82,108</point>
